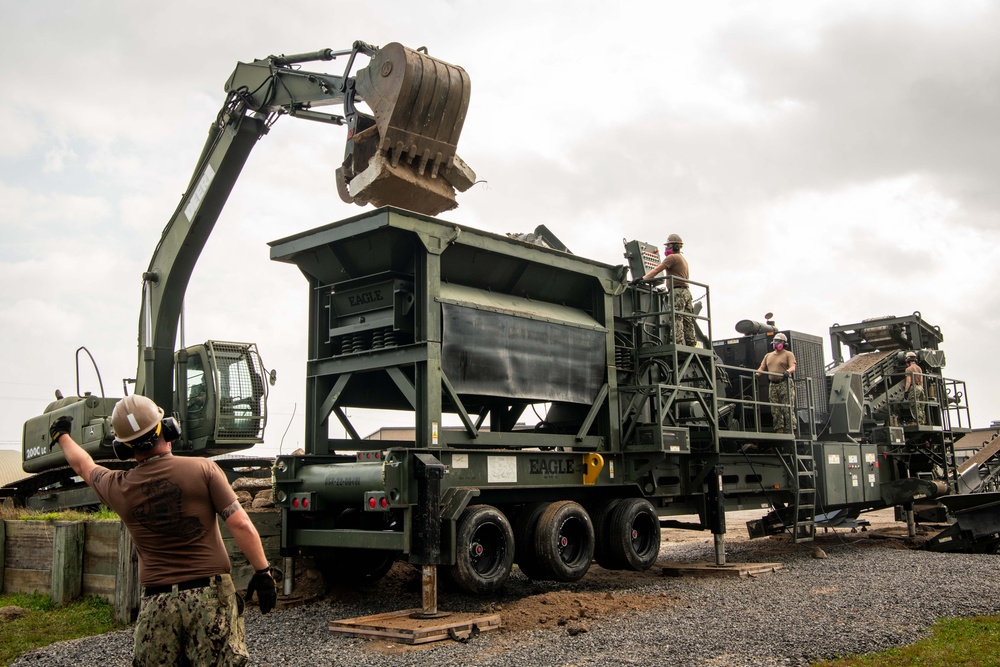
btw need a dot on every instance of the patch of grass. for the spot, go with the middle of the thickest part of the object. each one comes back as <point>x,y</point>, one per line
<point>45,623</point>
<point>101,514</point>
<point>954,642</point>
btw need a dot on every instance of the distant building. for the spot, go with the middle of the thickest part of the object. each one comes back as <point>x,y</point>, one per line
<point>975,440</point>
<point>10,466</point>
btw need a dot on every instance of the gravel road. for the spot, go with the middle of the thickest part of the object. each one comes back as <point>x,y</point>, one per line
<point>868,594</point>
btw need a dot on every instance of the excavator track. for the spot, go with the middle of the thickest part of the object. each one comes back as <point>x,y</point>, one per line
<point>61,488</point>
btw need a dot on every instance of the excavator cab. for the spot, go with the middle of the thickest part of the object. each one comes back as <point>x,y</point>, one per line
<point>221,398</point>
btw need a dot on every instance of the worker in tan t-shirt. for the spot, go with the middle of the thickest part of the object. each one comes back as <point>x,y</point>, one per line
<point>780,365</point>
<point>190,611</point>
<point>676,266</point>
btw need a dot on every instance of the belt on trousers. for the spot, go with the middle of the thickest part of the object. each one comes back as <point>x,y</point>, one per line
<point>201,582</point>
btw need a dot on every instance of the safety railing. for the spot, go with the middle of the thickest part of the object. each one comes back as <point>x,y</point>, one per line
<point>743,409</point>
<point>953,406</point>
<point>660,318</point>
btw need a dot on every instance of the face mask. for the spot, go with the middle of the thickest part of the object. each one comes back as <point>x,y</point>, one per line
<point>668,251</point>
<point>779,347</point>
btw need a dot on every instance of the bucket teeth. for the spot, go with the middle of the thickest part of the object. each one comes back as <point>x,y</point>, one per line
<point>419,106</point>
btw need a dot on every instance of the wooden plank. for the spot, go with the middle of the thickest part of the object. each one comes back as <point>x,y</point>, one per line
<point>100,548</point>
<point>127,587</point>
<point>67,561</point>
<point>17,580</point>
<point>713,570</point>
<point>268,524</point>
<point>101,585</point>
<point>401,626</point>
<point>272,549</point>
<point>29,545</point>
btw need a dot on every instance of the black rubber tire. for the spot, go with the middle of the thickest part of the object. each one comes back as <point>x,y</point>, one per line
<point>634,534</point>
<point>600,515</point>
<point>484,550</point>
<point>564,541</point>
<point>524,540</point>
<point>355,568</point>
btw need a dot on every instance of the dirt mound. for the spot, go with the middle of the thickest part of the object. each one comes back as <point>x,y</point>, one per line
<point>572,608</point>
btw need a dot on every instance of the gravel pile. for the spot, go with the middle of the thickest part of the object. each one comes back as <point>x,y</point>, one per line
<point>867,595</point>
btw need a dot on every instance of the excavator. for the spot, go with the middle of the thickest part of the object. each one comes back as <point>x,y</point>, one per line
<point>402,154</point>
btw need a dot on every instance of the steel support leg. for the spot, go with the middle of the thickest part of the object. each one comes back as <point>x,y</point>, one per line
<point>426,545</point>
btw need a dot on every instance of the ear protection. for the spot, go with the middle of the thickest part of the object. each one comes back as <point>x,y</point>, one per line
<point>168,427</point>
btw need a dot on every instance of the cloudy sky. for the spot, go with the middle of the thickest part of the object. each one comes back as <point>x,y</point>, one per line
<point>827,161</point>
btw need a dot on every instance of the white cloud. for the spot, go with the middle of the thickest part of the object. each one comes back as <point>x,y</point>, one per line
<point>828,161</point>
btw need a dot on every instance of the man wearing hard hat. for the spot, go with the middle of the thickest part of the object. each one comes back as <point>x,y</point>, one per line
<point>779,365</point>
<point>676,266</point>
<point>190,611</point>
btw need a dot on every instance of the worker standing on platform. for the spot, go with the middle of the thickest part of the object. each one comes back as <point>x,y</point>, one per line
<point>676,266</point>
<point>914,388</point>
<point>780,364</point>
<point>190,611</point>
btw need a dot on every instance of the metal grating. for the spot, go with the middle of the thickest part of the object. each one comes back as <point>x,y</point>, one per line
<point>239,379</point>
<point>809,363</point>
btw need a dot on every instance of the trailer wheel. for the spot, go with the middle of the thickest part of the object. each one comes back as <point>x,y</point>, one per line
<point>524,540</point>
<point>601,517</point>
<point>484,550</point>
<point>634,534</point>
<point>564,541</point>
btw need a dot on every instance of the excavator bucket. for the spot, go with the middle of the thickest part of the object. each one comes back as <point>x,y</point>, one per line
<point>404,153</point>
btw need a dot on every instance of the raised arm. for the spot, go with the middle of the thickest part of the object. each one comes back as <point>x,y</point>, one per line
<point>77,457</point>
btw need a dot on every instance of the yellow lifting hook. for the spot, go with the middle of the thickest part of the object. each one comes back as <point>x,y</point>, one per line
<point>593,464</point>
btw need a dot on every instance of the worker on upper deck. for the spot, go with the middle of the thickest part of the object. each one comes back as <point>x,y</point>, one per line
<point>914,388</point>
<point>676,266</point>
<point>780,365</point>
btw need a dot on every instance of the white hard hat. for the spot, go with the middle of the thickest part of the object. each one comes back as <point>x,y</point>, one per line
<point>134,416</point>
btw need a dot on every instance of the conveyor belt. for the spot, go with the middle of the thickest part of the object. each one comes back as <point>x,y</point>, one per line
<point>862,362</point>
<point>988,451</point>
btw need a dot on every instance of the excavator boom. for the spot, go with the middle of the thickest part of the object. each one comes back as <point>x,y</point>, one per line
<point>401,154</point>
<point>258,93</point>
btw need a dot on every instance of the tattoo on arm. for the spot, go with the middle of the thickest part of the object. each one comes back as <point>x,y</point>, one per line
<point>229,511</point>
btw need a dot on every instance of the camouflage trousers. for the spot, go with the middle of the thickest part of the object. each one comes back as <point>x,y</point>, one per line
<point>782,392</point>
<point>917,410</point>
<point>684,333</point>
<point>197,627</point>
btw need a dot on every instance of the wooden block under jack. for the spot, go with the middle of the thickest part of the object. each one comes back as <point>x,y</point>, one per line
<point>409,628</point>
<point>713,570</point>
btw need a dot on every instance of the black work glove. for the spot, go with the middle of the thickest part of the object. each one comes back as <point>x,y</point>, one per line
<point>263,584</point>
<point>784,375</point>
<point>60,427</point>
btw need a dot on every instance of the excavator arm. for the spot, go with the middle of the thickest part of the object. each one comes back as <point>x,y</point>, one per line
<point>403,154</point>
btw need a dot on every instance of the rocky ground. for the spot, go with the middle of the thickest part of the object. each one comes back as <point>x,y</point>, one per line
<point>848,592</point>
